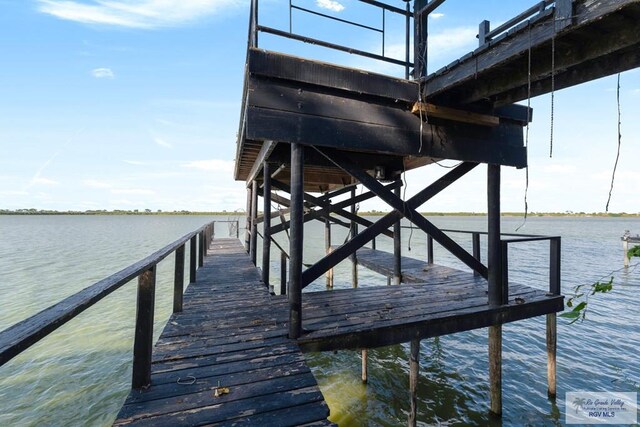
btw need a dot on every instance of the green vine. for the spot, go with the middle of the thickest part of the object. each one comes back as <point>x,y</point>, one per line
<point>579,302</point>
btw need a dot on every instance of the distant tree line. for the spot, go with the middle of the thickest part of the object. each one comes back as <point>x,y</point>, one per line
<point>32,211</point>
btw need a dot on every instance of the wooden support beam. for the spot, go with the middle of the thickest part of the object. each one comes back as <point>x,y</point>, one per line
<point>384,223</point>
<point>296,242</point>
<point>365,365</point>
<point>494,247</point>
<point>414,373</point>
<point>266,225</point>
<point>551,354</point>
<point>143,340</point>
<point>408,210</point>
<point>178,279</point>
<point>426,110</point>
<point>247,222</point>
<point>327,251</point>
<point>495,370</point>
<point>265,151</point>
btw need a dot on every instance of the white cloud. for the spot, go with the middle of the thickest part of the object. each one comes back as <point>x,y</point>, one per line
<point>43,181</point>
<point>103,73</point>
<point>436,15</point>
<point>212,165</point>
<point>132,191</point>
<point>135,162</point>
<point>145,14</point>
<point>330,5</point>
<point>161,142</point>
<point>94,183</point>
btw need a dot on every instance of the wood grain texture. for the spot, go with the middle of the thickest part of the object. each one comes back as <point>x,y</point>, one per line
<point>231,333</point>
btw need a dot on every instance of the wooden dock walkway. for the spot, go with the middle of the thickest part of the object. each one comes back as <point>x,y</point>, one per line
<point>233,334</point>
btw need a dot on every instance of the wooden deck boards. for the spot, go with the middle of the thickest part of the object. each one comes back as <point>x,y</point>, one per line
<point>231,333</point>
<point>433,301</point>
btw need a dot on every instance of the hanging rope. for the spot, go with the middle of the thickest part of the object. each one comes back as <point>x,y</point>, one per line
<point>553,84</point>
<point>526,139</point>
<point>615,166</point>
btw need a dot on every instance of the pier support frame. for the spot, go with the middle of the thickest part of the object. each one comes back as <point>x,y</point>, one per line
<point>266,225</point>
<point>327,247</point>
<point>354,233</point>
<point>551,354</point>
<point>247,224</point>
<point>296,241</point>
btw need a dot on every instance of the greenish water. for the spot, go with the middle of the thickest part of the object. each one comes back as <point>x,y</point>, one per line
<point>80,374</point>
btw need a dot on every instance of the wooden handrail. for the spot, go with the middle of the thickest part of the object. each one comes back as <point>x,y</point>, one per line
<point>17,338</point>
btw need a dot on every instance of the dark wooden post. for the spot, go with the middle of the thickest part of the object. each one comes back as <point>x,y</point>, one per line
<point>213,230</point>
<point>143,340</point>
<point>192,259</point>
<point>365,367</point>
<point>554,288</point>
<point>201,249</point>
<point>475,243</point>
<point>327,247</point>
<point>266,224</point>
<point>237,229</point>
<point>414,371</point>
<point>296,240</point>
<point>283,273</point>
<point>494,257</point>
<point>354,233</point>
<point>247,224</point>
<point>483,30</point>
<point>178,280</point>
<point>420,40</point>
<point>429,249</point>
<point>253,247</point>
<point>397,254</point>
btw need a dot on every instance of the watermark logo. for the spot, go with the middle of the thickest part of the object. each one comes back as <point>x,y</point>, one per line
<point>601,407</point>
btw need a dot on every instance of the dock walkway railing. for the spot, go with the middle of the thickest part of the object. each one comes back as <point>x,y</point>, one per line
<point>19,337</point>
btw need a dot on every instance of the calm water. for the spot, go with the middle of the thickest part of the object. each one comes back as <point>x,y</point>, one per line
<point>80,374</point>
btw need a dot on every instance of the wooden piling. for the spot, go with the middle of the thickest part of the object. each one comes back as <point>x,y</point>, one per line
<point>266,224</point>
<point>365,367</point>
<point>414,369</point>
<point>551,354</point>
<point>283,273</point>
<point>625,249</point>
<point>192,259</point>
<point>495,369</point>
<point>247,224</point>
<point>296,241</point>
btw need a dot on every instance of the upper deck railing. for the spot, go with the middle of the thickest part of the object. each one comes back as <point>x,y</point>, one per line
<point>255,28</point>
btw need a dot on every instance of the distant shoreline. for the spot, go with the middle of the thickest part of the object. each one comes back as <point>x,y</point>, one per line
<point>367,213</point>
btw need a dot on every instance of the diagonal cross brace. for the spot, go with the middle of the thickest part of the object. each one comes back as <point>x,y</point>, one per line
<point>328,208</point>
<point>284,225</point>
<point>402,209</point>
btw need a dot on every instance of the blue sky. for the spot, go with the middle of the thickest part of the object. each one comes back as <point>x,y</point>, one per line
<point>125,104</point>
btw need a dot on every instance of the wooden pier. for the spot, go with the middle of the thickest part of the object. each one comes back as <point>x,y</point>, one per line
<point>231,336</point>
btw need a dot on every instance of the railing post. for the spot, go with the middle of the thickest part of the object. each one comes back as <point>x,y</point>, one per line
<point>213,230</point>
<point>247,224</point>
<point>554,266</point>
<point>483,30</point>
<point>143,341</point>
<point>475,243</point>
<point>327,248</point>
<point>429,249</point>
<point>283,273</point>
<point>201,249</point>
<point>253,247</point>
<point>504,259</point>
<point>266,224</point>
<point>493,235</point>
<point>192,259</point>
<point>354,233</point>
<point>397,246</point>
<point>178,280</point>
<point>237,229</point>
<point>407,40</point>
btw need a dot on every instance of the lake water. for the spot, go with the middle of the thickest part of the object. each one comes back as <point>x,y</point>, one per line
<point>80,374</point>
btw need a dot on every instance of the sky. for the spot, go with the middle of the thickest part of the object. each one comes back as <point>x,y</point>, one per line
<point>134,104</point>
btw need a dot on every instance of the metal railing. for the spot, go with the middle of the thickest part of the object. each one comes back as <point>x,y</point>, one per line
<point>19,337</point>
<point>485,35</point>
<point>255,28</point>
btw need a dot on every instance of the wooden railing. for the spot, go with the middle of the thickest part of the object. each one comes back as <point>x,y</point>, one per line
<point>19,337</point>
<point>554,255</point>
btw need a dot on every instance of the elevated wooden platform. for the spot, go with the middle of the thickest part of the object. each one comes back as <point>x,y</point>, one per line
<point>435,300</point>
<point>232,334</point>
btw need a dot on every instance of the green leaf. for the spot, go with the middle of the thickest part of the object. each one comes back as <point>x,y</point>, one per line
<point>579,307</point>
<point>570,314</point>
